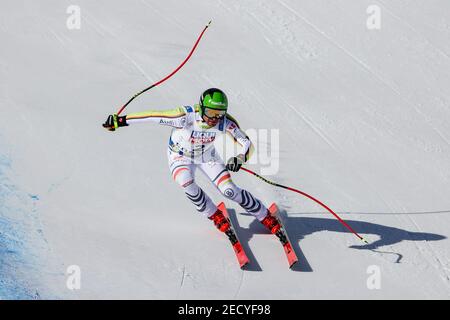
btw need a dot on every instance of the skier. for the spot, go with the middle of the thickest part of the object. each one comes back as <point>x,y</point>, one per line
<point>191,146</point>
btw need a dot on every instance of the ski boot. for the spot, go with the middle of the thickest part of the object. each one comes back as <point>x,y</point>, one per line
<point>220,221</point>
<point>271,223</point>
<point>274,226</point>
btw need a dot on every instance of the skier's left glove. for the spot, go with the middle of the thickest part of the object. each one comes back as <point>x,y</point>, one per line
<point>235,163</point>
<point>114,121</point>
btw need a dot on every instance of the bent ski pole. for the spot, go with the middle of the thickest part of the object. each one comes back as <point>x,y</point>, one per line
<point>310,197</point>
<point>167,77</point>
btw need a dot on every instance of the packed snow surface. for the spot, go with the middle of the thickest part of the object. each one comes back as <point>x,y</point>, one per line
<point>357,117</point>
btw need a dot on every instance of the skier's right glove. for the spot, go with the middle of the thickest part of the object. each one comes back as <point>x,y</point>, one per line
<point>114,121</point>
<point>235,163</point>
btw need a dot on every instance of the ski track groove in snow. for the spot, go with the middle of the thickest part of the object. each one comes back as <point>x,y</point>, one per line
<point>308,122</point>
<point>367,68</point>
<point>311,125</point>
<point>163,16</point>
<point>58,38</point>
<point>341,154</point>
<point>439,266</point>
<point>95,23</point>
<point>240,285</point>
<point>294,43</point>
<point>182,281</point>
<point>138,67</point>
<point>413,29</point>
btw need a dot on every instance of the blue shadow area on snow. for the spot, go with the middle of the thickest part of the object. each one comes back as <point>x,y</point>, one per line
<point>299,227</point>
<point>16,258</point>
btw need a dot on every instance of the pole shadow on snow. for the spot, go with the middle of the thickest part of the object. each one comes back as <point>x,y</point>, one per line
<point>299,227</point>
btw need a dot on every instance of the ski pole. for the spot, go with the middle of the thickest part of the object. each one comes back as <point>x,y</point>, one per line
<point>310,197</point>
<point>167,77</point>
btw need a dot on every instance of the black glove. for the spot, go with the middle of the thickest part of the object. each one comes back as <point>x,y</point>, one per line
<point>114,121</point>
<point>235,163</point>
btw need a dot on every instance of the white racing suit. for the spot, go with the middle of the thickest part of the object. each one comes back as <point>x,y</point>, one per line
<point>191,146</point>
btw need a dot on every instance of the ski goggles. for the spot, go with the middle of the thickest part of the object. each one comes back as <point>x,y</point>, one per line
<point>213,113</point>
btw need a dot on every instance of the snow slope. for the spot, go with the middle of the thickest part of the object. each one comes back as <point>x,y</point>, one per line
<point>363,119</point>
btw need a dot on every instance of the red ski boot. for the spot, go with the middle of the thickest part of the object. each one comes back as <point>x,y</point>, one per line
<point>220,221</point>
<point>271,223</point>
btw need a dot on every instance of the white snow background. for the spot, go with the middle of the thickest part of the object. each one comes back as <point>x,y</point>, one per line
<point>363,118</point>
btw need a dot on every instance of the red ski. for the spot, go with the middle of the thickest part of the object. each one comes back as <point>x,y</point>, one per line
<point>282,235</point>
<point>231,234</point>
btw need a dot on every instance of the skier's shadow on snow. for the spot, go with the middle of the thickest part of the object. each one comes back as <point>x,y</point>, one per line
<point>299,227</point>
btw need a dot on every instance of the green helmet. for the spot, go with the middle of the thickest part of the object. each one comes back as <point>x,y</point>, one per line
<point>213,98</point>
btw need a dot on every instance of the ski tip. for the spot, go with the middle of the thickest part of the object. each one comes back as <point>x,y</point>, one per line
<point>273,209</point>
<point>209,23</point>
<point>365,241</point>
